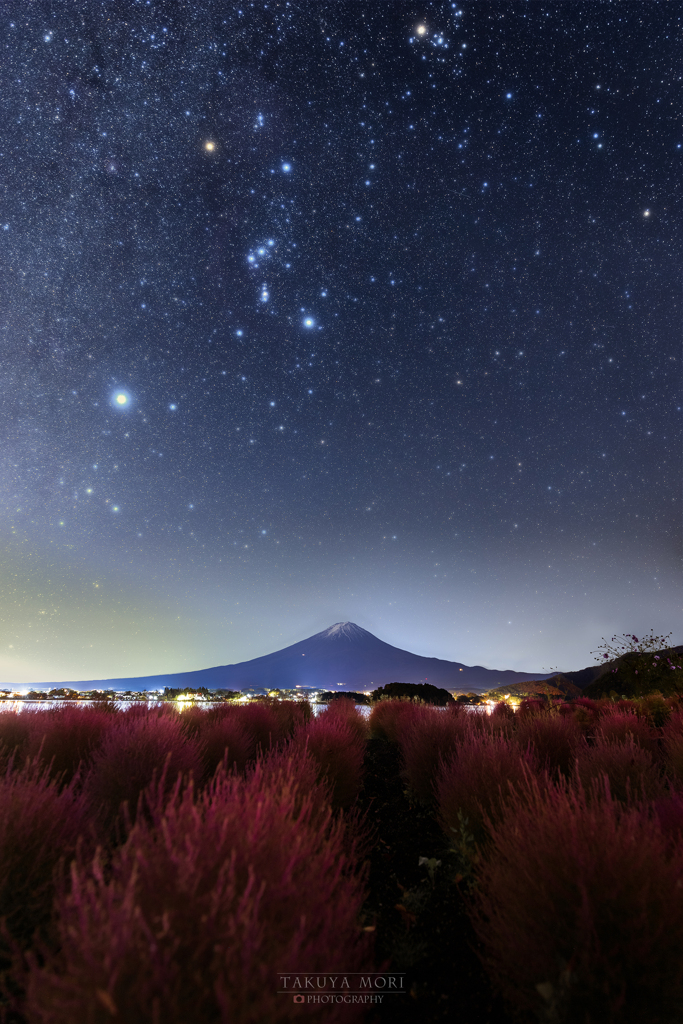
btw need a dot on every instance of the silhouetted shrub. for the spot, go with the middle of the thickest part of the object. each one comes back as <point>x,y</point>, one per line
<point>580,910</point>
<point>204,909</point>
<point>425,692</point>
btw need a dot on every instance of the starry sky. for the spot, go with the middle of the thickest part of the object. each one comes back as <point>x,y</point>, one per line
<point>327,311</point>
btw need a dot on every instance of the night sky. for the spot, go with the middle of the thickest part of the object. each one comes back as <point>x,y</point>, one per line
<point>316,312</point>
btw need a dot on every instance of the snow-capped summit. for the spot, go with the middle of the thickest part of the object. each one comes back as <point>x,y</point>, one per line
<point>345,629</point>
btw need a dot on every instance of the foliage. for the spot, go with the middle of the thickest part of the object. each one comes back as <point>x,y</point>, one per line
<point>389,717</point>
<point>621,724</point>
<point>40,826</point>
<point>580,910</point>
<point>202,910</point>
<point>476,779</point>
<point>554,739</point>
<point>428,738</point>
<point>139,748</point>
<point>338,750</point>
<point>631,772</point>
<point>422,691</point>
<point>66,737</point>
<point>642,666</point>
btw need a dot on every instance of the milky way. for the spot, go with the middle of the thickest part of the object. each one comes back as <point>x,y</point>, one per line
<point>315,312</point>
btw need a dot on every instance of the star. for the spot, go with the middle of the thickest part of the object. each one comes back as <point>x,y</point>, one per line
<point>210,146</point>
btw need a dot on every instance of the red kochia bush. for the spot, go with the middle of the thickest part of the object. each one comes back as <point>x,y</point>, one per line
<point>672,747</point>
<point>135,751</point>
<point>344,709</point>
<point>204,910</point>
<point>424,742</point>
<point>475,780</point>
<point>226,739</point>
<point>531,706</point>
<point>580,910</point>
<point>630,770</point>
<point>554,739</point>
<point>291,714</point>
<point>263,722</point>
<point>619,725</point>
<point>584,710</point>
<point>65,737</point>
<point>15,729</point>
<point>338,751</point>
<point>39,826</point>
<point>389,718</point>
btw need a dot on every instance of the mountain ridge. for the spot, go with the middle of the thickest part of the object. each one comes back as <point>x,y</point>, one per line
<point>342,657</point>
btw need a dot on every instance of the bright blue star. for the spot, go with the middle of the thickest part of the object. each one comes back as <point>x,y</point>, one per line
<point>286,168</point>
<point>121,399</point>
<point>309,322</point>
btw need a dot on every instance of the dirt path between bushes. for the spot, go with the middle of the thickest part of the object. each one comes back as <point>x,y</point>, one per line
<point>421,924</point>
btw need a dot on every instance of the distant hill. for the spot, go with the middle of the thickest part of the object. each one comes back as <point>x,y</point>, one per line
<point>558,685</point>
<point>587,676</point>
<point>343,657</point>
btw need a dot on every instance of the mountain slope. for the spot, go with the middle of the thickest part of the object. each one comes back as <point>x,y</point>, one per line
<point>343,657</point>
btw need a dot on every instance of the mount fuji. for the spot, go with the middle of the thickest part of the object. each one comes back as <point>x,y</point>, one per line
<point>342,657</point>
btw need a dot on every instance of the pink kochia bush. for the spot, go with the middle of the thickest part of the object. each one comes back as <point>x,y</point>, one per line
<point>345,709</point>
<point>237,733</point>
<point>40,826</point>
<point>621,724</point>
<point>66,737</point>
<point>338,751</point>
<point>206,907</point>
<point>672,747</point>
<point>138,749</point>
<point>15,729</point>
<point>554,739</point>
<point>631,772</point>
<point>225,740</point>
<point>580,909</point>
<point>430,737</point>
<point>389,718</point>
<point>476,780</point>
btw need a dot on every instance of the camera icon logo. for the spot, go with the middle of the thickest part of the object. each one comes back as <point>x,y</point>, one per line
<point>298,999</point>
